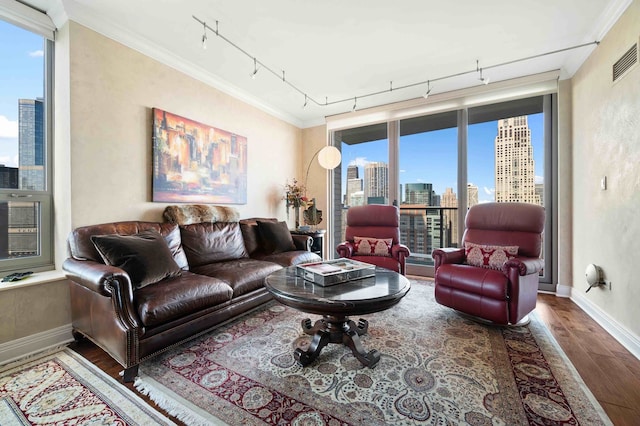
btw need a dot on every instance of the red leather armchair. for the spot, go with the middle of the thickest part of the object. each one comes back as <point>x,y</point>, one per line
<point>379,222</point>
<point>506,293</point>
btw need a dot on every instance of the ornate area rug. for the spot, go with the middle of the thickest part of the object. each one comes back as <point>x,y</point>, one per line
<point>437,368</point>
<point>65,389</point>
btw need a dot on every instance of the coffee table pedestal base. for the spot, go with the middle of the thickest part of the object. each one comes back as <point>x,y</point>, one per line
<point>336,329</point>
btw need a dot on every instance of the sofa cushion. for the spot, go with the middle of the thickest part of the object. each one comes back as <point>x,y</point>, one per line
<point>177,297</point>
<point>365,246</point>
<point>144,256</point>
<point>205,243</point>
<point>488,256</point>
<point>275,237</point>
<point>289,258</point>
<point>243,275</point>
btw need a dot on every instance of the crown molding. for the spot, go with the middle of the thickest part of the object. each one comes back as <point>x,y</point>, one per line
<point>120,34</point>
<point>609,17</point>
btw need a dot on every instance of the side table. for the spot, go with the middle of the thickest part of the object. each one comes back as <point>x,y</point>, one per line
<point>318,240</point>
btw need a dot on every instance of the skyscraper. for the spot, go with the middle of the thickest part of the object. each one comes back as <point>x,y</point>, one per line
<point>472,195</point>
<point>354,186</point>
<point>31,149</point>
<point>450,215</point>
<point>376,182</point>
<point>515,173</point>
<point>418,193</point>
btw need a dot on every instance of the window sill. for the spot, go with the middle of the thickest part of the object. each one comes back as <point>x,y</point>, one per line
<point>35,279</point>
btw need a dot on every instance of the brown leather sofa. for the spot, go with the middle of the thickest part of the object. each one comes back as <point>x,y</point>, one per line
<point>220,273</point>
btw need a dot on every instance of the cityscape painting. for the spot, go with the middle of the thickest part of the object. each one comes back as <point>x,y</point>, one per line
<point>197,163</point>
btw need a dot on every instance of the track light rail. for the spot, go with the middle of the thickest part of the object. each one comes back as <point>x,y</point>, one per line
<point>281,74</point>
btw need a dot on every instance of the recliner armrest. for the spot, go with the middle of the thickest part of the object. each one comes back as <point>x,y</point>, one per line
<point>446,255</point>
<point>345,249</point>
<point>524,265</point>
<point>400,250</point>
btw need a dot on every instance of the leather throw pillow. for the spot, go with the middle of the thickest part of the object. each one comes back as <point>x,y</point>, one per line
<point>145,256</point>
<point>276,237</point>
<point>487,256</point>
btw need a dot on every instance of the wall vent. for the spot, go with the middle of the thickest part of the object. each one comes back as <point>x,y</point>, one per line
<point>629,59</point>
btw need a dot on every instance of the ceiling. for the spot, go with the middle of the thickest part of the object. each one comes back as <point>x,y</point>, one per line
<point>339,52</point>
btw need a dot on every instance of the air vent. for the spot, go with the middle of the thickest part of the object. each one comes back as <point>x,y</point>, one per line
<point>623,64</point>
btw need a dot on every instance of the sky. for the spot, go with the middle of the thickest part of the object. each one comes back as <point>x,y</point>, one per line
<point>432,157</point>
<point>21,77</point>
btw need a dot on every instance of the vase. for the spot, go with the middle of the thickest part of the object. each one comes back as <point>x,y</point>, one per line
<point>296,215</point>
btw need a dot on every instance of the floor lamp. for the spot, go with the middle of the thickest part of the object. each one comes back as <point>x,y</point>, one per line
<point>329,158</point>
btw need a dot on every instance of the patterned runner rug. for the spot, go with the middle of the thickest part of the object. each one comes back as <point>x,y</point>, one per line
<point>65,389</point>
<point>437,368</point>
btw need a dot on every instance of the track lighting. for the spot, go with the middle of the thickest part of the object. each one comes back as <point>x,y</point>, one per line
<point>305,102</point>
<point>255,68</point>
<point>484,81</point>
<point>281,74</point>
<point>426,95</point>
<point>204,36</point>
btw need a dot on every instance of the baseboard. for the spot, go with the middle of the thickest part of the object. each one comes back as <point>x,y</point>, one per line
<point>563,290</point>
<point>627,339</point>
<point>35,343</point>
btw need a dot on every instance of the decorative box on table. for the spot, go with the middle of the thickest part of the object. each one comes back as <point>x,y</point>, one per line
<point>331,272</point>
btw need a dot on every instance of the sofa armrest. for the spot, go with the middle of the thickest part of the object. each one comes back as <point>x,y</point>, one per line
<point>446,255</point>
<point>345,249</point>
<point>107,281</point>
<point>302,242</point>
<point>523,265</point>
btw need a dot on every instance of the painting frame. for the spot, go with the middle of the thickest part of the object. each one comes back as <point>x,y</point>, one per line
<point>197,163</point>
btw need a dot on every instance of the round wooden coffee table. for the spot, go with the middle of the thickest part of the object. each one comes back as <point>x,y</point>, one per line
<point>336,303</point>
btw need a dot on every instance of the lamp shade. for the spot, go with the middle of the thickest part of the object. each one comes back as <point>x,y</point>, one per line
<point>329,157</point>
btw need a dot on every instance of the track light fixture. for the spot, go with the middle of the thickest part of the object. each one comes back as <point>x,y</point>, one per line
<point>484,81</point>
<point>204,36</point>
<point>426,95</point>
<point>281,74</point>
<point>255,68</point>
<point>306,99</point>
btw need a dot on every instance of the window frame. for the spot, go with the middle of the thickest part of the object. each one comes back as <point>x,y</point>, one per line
<point>38,23</point>
<point>461,102</point>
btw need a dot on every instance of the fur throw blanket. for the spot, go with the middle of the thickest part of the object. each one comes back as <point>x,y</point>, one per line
<point>195,213</point>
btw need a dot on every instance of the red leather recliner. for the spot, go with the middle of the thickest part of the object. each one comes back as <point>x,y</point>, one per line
<point>380,222</point>
<point>501,296</point>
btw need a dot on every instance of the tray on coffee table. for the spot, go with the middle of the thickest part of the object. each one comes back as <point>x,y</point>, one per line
<point>336,271</point>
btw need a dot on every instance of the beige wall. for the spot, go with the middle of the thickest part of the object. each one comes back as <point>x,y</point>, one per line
<point>113,89</point>
<point>606,142</point>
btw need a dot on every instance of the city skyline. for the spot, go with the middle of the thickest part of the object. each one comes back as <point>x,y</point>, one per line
<point>437,163</point>
<point>25,75</point>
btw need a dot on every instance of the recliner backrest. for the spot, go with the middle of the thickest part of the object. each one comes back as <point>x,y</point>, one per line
<point>374,221</point>
<point>506,224</point>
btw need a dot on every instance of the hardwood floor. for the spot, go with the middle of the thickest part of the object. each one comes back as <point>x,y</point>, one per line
<point>610,371</point>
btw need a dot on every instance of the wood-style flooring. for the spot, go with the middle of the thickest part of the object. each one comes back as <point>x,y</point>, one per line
<point>610,371</point>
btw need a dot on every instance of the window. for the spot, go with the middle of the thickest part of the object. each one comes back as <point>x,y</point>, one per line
<point>364,173</point>
<point>449,161</point>
<point>25,140</point>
